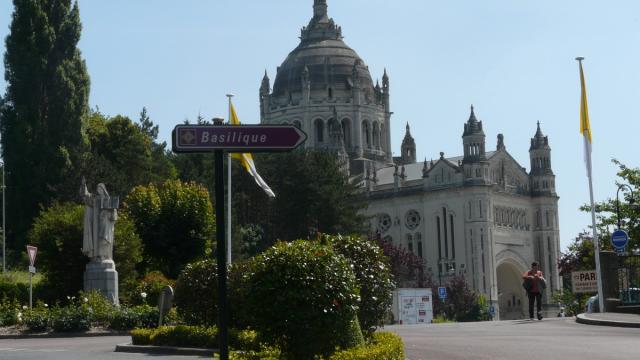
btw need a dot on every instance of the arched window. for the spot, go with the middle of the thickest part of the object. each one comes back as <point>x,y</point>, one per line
<point>366,133</point>
<point>319,130</point>
<point>410,242</point>
<point>376,135</point>
<point>346,132</point>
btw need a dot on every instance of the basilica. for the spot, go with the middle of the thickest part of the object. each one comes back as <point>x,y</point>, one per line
<point>480,215</point>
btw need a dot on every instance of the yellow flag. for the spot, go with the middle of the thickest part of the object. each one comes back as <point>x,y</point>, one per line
<point>246,159</point>
<point>585,127</point>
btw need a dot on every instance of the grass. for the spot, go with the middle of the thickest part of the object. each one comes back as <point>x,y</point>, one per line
<point>19,277</point>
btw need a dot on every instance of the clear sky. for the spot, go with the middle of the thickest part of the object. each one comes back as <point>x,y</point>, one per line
<point>513,60</point>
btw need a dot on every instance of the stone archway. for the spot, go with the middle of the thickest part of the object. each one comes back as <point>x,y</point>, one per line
<point>512,301</point>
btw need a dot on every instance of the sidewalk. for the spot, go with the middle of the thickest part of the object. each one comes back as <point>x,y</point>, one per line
<point>610,319</point>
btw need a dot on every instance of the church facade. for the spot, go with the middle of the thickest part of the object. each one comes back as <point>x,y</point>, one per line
<point>480,215</point>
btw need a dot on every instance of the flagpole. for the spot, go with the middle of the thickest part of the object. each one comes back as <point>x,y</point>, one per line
<point>587,148</point>
<point>229,96</point>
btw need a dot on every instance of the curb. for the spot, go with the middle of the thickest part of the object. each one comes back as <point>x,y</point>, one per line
<point>62,335</point>
<point>164,350</point>
<point>582,319</point>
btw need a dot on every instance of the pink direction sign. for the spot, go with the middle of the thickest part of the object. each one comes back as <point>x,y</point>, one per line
<point>236,138</point>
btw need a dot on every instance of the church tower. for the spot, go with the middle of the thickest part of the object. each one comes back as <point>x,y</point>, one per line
<point>408,149</point>
<point>546,242</point>
<point>325,88</point>
<point>474,161</point>
<point>542,177</point>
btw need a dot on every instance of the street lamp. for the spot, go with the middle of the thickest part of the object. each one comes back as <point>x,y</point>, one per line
<point>631,200</point>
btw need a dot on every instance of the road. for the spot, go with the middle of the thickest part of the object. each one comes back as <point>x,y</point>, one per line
<point>81,348</point>
<point>549,339</point>
<point>514,340</point>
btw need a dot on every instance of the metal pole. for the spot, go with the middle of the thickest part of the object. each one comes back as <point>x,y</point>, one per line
<point>229,96</point>
<point>221,251</point>
<point>4,228</point>
<point>596,248</point>
<point>618,200</point>
<point>30,290</point>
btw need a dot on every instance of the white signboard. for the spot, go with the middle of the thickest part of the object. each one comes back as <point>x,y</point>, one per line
<point>584,281</point>
<point>413,306</point>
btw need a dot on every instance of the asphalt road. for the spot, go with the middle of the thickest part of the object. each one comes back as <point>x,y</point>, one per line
<point>80,348</point>
<point>548,339</point>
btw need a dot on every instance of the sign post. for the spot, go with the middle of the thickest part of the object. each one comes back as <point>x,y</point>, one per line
<point>31,251</point>
<point>219,138</point>
<point>619,240</point>
<point>442,292</point>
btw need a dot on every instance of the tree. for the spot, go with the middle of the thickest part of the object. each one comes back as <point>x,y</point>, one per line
<point>312,194</point>
<point>606,215</point>
<point>45,104</point>
<point>123,155</point>
<point>175,221</point>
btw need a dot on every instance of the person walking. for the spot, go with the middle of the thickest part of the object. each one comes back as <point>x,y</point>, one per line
<point>534,283</point>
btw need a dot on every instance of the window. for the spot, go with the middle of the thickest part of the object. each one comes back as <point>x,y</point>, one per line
<point>319,131</point>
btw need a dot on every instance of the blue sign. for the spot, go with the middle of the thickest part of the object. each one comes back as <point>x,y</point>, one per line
<point>619,239</point>
<point>492,311</point>
<point>442,292</point>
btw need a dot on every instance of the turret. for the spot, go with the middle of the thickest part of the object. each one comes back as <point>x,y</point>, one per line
<point>473,140</point>
<point>474,162</point>
<point>541,175</point>
<point>385,90</point>
<point>264,95</point>
<point>408,148</point>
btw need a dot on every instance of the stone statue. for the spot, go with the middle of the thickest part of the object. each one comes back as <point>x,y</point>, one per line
<point>100,215</point>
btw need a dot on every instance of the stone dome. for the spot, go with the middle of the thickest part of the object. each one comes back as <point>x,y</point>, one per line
<point>323,58</point>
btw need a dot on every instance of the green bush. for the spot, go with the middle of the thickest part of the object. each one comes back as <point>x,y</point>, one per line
<point>10,311</point>
<point>69,318</point>
<point>264,353</point>
<point>384,346</point>
<point>373,275</point>
<point>98,309</point>
<point>304,298</point>
<point>151,286</point>
<point>175,221</point>
<point>195,336</point>
<point>37,319</point>
<point>196,296</point>
<point>141,316</point>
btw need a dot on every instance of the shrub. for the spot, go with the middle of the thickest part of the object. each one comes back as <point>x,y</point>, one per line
<point>69,318</point>
<point>142,316</point>
<point>99,309</point>
<point>194,336</point>
<point>373,275</point>
<point>196,295</point>
<point>37,319</point>
<point>10,311</point>
<point>151,285</point>
<point>175,221</point>
<point>304,298</point>
<point>384,346</point>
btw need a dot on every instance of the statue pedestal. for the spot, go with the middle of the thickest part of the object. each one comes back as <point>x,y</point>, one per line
<point>101,275</point>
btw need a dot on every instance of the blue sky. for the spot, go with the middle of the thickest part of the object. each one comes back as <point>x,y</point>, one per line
<point>514,60</point>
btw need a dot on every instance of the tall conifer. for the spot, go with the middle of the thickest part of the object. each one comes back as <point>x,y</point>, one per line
<point>45,104</point>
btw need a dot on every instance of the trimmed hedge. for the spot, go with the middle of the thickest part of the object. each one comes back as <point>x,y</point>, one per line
<point>384,346</point>
<point>194,336</point>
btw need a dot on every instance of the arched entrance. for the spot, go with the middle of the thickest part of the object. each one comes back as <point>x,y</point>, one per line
<point>511,297</point>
